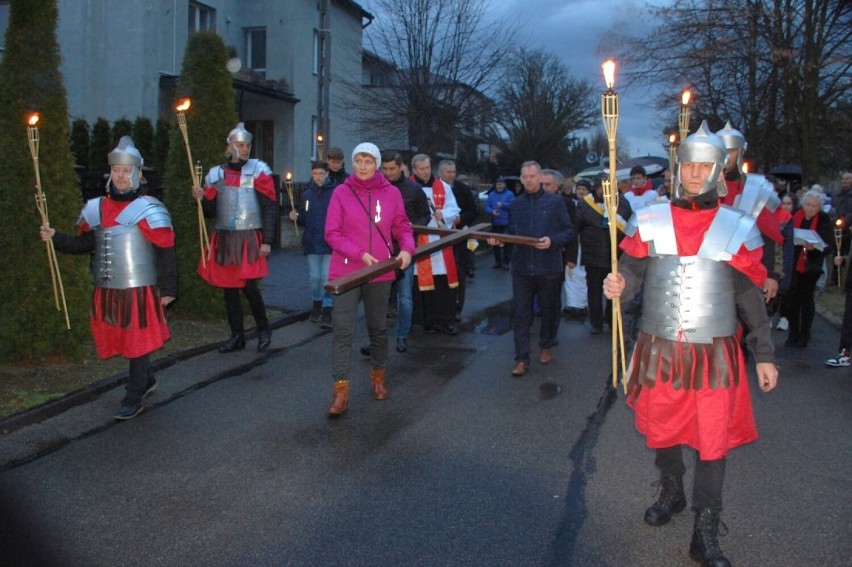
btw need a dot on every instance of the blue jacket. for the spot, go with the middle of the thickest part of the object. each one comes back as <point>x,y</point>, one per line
<point>312,213</point>
<point>494,197</point>
<point>539,214</point>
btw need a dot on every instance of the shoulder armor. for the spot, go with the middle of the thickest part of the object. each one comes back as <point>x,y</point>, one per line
<point>256,167</point>
<point>147,208</point>
<point>730,230</point>
<point>215,177</point>
<point>758,193</point>
<point>656,226</point>
<point>91,213</point>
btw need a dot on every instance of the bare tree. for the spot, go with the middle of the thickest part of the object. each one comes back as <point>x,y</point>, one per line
<point>539,108</point>
<point>440,62</point>
<point>778,69</point>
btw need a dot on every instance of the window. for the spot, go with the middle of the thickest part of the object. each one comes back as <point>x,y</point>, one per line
<point>317,51</point>
<point>256,49</point>
<point>314,130</point>
<point>201,17</point>
<point>4,23</point>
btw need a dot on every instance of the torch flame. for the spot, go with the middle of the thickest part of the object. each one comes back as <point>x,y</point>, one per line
<point>745,167</point>
<point>839,223</point>
<point>183,105</point>
<point>33,119</point>
<point>672,138</point>
<point>289,176</point>
<point>685,97</point>
<point>319,137</point>
<point>609,73</point>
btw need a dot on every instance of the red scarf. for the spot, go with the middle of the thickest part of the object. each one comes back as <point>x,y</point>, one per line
<point>425,278</point>
<point>798,220</point>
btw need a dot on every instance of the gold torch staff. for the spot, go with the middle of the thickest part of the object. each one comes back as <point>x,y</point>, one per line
<point>609,110</point>
<point>838,239</point>
<point>195,172</point>
<point>288,184</point>
<point>41,204</point>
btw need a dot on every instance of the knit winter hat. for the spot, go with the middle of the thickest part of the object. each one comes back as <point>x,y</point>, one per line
<point>369,149</point>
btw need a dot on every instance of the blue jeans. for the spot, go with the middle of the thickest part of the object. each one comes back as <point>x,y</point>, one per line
<point>404,302</point>
<point>318,277</point>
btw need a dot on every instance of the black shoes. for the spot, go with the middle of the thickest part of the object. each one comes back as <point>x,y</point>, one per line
<point>128,411</point>
<point>597,330</point>
<point>264,339</point>
<point>704,546</point>
<point>671,501</point>
<point>325,318</point>
<point>365,350</point>
<point>234,342</point>
<point>401,345</point>
<point>316,309</point>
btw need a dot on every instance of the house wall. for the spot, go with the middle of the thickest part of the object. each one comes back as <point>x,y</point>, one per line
<point>114,53</point>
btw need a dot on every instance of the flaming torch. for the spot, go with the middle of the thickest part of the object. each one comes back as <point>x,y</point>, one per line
<point>195,173</point>
<point>672,152</point>
<point>609,105</point>
<point>288,183</point>
<point>41,205</point>
<point>683,114</point>
<point>320,146</point>
<point>838,239</point>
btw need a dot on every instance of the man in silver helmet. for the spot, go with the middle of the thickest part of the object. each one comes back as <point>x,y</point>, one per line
<point>241,196</point>
<point>754,195</point>
<point>130,236</point>
<point>701,265</point>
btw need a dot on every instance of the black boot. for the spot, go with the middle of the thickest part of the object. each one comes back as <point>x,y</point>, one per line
<point>315,312</point>
<point>235,342</point>
<point>671,501</point>
<point>704,546</point>
<point>264,339</point>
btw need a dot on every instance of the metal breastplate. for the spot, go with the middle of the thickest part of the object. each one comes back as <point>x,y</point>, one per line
<point>124,258</point>
<point>237,208</point>
<point>688,298</point>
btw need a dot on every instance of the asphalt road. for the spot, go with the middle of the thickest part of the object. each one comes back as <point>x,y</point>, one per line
<point>234,462</point>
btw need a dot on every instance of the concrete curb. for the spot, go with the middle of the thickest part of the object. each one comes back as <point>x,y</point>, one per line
<point>83,395</point>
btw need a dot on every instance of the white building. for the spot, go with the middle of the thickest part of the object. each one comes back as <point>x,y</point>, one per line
<point>295,55</point>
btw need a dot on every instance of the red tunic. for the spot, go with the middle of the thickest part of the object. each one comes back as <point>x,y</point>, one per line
<point>250,264</point>
<point>710,420</point>
<point>146,331</point>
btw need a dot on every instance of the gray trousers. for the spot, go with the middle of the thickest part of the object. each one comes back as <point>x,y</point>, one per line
<point>375,296</point>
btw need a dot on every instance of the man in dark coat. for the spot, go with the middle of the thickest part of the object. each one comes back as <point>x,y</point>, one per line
<point>467,217</point>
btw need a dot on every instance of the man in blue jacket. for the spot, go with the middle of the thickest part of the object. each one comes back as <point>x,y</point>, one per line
<point>536,270</point>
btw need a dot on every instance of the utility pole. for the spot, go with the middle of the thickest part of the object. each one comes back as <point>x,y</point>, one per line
<point>324,75</point>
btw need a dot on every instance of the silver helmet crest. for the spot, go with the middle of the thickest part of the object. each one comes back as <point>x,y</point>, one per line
<point>238,134</point>
<point>125,153</point>
<point>701,147</point>
<point>734,140</point>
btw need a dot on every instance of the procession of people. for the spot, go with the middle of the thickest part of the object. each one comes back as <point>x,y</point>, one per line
<point>686,382</point>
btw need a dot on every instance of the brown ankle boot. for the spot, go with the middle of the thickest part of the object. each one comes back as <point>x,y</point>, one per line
<point>377,377</point>
<point>340,401</point>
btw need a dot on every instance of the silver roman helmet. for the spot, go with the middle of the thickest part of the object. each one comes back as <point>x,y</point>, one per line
<point>125,153</point>
<point>702,147</point>
<point>734,140</point>
<point>238,134</point>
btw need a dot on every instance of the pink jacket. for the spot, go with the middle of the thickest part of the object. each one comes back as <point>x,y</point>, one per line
<point>350,232</point>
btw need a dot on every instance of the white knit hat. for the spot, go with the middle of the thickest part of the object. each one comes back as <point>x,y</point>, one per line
<point>369,149</point>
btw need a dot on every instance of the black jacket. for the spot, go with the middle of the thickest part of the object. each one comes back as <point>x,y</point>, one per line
<point>414,199</point>
<point>466,202</point>
<point>593,232</point>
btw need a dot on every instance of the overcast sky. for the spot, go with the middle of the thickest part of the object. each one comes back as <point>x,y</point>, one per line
<point>571,30</point>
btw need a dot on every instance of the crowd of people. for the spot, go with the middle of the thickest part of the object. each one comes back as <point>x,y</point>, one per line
<point>712,235</point>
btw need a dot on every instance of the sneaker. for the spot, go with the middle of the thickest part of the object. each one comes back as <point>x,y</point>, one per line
<point>325,318</point>
<point>316,311</point>
<point>152,385</point>
<point>128,411</point>
<point>841,359</point>
<point>782,324</point>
